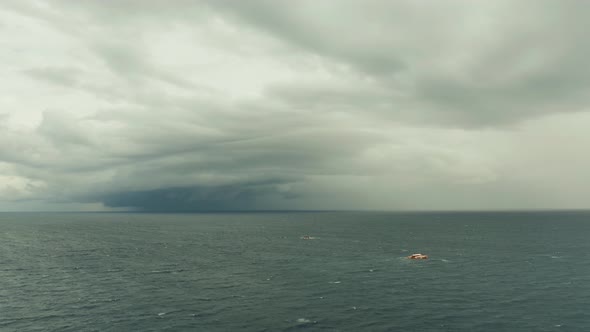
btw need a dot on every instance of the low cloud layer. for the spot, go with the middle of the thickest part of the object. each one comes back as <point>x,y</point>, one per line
<point>262,105</point>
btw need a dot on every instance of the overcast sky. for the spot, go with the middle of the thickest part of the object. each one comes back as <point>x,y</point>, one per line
<point>233,105</point>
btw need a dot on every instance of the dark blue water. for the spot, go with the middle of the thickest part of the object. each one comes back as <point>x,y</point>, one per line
<point>252,272</point>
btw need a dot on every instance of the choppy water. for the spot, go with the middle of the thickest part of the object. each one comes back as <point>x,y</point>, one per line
<point>253,272</point>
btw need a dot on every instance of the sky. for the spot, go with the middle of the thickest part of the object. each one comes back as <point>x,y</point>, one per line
<point>179,105</point>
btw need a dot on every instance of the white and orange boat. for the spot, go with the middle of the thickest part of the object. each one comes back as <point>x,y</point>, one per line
<point>418,256</point>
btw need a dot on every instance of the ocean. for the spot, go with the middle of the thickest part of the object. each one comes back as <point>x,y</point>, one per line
<point>488,271</point>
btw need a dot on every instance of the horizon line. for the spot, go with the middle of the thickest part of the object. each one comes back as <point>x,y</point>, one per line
<point>322,211</point>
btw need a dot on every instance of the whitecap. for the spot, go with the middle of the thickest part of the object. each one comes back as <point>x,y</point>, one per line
<point>334,282</point>
<point>306,237</point>
<point>303,320</point>
<point>160,271</point>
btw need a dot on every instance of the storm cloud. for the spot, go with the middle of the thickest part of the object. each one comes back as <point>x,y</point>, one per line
<point>262,105</point>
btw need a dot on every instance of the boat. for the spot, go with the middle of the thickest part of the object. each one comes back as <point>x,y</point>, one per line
<point>418,256</point>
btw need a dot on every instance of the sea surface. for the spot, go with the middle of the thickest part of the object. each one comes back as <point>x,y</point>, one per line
<point>510,271</point>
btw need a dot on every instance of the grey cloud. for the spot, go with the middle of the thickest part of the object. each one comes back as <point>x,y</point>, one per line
<point>524,61</point>
<point>130,63</point>
<point>62,131</point>
<point>76,163</point>
<point>239,196</point>
<point>337,104</point>
<point>62,76</point>
<point>102,29</point>
<point>335,31</point>
<point>519,62</point>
